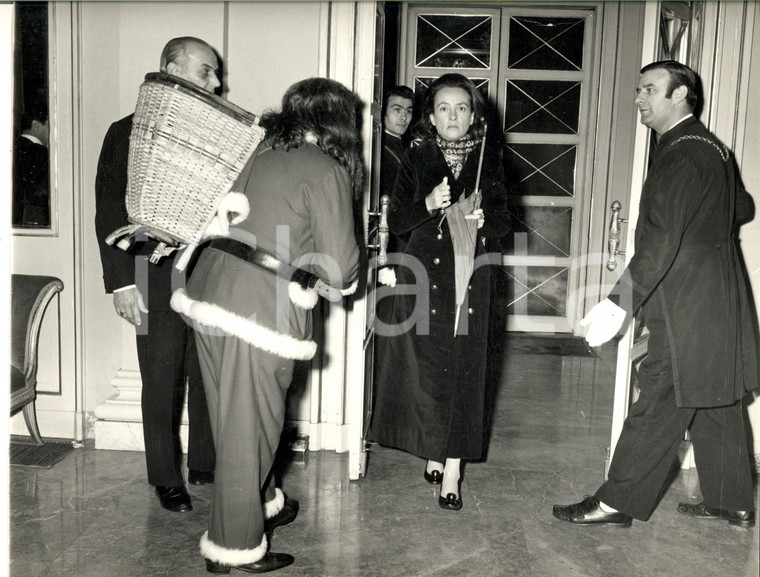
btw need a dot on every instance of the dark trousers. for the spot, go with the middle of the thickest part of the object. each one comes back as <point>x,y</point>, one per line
<point>651,437</point>
<point>246,390</point>
<point>168,360</point>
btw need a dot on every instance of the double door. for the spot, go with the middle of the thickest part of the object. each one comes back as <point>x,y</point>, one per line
<point>539,68</point>
<point>561,84</point>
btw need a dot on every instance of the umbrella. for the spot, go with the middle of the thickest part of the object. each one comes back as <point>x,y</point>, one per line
<point>463,234</point>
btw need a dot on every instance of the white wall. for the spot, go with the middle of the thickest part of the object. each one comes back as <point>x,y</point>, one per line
<point>750,167</point>
<point>265,46</point>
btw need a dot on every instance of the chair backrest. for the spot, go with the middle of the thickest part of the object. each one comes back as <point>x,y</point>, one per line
<point>30,295</point>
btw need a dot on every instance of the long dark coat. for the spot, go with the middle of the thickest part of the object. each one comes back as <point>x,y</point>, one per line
<point>430,385</point>
<point>686,273</point>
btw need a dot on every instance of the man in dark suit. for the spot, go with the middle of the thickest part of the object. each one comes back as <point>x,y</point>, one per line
<point>31,168</point>
<point>398,107</point>
<point>165,344</point>
<point>686,278</point>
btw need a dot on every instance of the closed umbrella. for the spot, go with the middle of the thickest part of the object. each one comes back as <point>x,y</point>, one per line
<point>464,231</point>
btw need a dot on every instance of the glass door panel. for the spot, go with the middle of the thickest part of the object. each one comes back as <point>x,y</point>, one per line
<point>544,81</point>
<point>463,40</point>
<point>535,66</point>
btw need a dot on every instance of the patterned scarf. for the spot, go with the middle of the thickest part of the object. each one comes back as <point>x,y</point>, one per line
<point>456,152</point>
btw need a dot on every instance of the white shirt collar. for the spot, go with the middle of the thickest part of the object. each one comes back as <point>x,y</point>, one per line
<point>391,134</point>
<point>33,139</point>
<point>679,122</point>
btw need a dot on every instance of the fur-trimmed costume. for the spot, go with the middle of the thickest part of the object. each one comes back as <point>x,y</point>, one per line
<point>251,326</point>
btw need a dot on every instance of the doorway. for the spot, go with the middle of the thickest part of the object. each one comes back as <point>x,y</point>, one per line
<point>540,67</point>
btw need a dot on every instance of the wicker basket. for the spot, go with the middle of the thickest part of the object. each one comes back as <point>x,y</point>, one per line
<point>187,148</point>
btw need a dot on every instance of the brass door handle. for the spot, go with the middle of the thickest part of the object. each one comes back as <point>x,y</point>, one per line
<point>383,233</point>
<point>613,237</point>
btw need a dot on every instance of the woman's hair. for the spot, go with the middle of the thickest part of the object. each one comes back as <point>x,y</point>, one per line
<point>424,130</point>
<point>328,110</point>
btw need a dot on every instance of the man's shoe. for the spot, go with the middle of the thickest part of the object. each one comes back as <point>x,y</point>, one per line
<point>588,512</point>
<point>736,518</point>
<point>174,499</point>
<point>269,562</point>
<point>286,515</point>
<point>200,477</point>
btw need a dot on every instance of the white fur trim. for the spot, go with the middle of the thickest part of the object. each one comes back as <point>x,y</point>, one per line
<point>247,330</point>
<point>271,508</point>
<point>232,557</point>
<point>301,297</point>
<point>235,207</point>
<point>350,290</point>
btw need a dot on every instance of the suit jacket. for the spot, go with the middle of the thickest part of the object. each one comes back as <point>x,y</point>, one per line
<point>110,204</point>
<point>31,188</point>
<point>686,272</point>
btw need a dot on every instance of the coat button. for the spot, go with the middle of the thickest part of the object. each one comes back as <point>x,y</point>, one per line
<point>470,311</point>
<point>433,312</point>
<point>434,287</point>
<point>436,260</point>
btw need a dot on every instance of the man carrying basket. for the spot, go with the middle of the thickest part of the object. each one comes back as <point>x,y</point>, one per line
<point>165,344</point>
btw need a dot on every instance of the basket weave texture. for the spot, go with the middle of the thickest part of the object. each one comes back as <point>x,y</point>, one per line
<point>185,153</point>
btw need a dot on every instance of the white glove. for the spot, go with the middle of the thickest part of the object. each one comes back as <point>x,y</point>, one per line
<point>603,322</point>
<point>387,276</point>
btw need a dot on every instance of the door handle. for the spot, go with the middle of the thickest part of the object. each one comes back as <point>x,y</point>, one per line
<point>383,233</point>
<point>613,237</point>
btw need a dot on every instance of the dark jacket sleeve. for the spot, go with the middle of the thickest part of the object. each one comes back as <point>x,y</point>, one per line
<point>110,205</point>
<point>332,227</point>
<point>407,208</point>
<point>672,194</point>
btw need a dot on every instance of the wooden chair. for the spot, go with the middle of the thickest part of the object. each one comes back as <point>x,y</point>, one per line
<point>30,295</point>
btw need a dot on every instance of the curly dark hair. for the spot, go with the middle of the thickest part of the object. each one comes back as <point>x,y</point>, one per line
<point>326,109</point>
<point>424,130</point>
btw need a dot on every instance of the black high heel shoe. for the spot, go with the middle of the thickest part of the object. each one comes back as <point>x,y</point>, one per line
<point>452,502</point>
<point>434,478</point>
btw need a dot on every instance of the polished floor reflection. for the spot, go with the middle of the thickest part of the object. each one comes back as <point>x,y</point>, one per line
<point>93,513</point>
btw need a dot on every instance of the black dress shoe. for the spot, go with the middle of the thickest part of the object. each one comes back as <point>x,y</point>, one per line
<point>286,515</point>
<point>452,502</point>
<point>434,477</point>
<point>588,512</point>
<point>736,518</point>
<point>200,477</point>
<point>269,562</point>
<point>174,499</point>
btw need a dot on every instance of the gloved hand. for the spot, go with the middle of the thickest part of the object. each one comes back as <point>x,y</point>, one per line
<point>387,276</point>
<point>603,322</point>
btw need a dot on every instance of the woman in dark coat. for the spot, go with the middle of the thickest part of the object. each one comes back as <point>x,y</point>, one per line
<point>430,388</point>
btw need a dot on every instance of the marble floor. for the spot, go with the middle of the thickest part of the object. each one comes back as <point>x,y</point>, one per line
<point>93,514</point>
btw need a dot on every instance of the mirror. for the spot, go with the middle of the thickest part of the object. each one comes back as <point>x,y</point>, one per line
<point>31,124</point>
